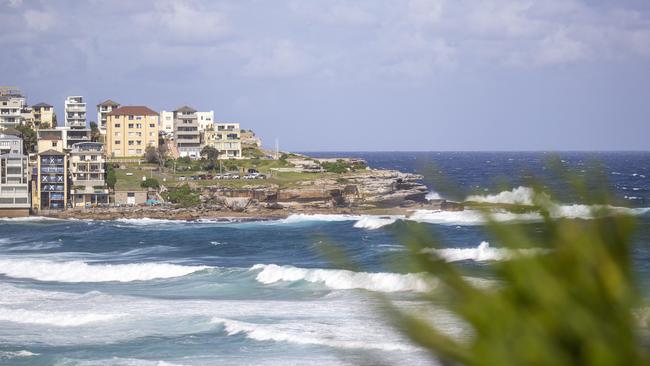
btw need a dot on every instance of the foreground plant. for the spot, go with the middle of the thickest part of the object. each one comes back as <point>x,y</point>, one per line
<point>571,304</point>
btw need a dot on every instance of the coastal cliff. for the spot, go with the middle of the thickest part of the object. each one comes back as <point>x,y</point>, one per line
<point>369,191</point>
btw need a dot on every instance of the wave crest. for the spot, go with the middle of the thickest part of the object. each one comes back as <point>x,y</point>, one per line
<point>483,252</point>
<point>78,271</point>
<point>298,333</point>
<point>340,279</point>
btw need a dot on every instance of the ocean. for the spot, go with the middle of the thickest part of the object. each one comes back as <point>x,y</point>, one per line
<point>155,292</point>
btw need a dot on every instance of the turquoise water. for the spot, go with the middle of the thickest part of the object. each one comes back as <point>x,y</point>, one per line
<point>150,292</point>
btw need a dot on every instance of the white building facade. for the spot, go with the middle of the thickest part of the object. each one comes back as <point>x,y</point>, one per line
<point>75,112</point>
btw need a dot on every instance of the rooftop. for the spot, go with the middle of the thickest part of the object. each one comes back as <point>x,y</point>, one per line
<point>133,110</point>
<point>108,103</point>
<point>51,152</point>
<point>186,109</point>
<point>41,105</point>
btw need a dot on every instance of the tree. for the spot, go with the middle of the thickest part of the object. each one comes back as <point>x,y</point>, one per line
<point>29,137</point>
<point>150,183</point>
<point>571,301</point>
<point>151,155</point>
<point>210,153</point>
<point>94,131</point>
<point>111,178</point>
<point>162,154</point>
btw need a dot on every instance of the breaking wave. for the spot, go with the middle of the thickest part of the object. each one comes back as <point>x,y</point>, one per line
<point>375,222</point>
<point>516,196</point>
<point>369,222</point>
<point>432,195</point>
<point>483,252</point>
<point>78,271</point>
<point>54,318</point>
<point>298,333</point>
<point>340,279</point>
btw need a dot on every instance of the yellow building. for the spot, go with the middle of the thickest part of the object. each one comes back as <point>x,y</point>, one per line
<point>226,138</point>
<point>43,116</point>
<point>129,130</point>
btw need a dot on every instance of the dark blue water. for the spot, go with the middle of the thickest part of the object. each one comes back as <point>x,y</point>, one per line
<point>150,292</point>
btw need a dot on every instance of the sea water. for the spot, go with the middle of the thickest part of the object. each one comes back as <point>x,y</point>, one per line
<point>156,292</point>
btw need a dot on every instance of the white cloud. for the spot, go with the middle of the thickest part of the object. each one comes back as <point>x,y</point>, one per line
<point>14,3</point>
<point>185,22</point>
<point>425,12</point>
<point>39,20</point>
<point>559,48</point>
<point>284,59</point>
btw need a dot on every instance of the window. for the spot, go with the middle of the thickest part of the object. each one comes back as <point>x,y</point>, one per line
<point>130,118</point>
<point>54,143</point>
<point>131,142</point>
<point>138,118</point>
<point>117,142</point>
<point>117,125</point>
<point>117,134</point>
<point>138,125</point>
<point>152,125</point>
<point>130,125</point>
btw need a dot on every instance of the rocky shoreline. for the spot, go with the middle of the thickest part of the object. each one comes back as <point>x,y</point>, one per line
<point>375,192</point>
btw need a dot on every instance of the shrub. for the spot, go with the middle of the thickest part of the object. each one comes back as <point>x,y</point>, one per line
<point>150,183</point>
<point>183,196</point>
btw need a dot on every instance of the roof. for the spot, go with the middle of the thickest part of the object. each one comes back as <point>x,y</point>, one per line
<point>11,132</point>
<point>4,136</point>
<point>186,109</point>
<point>133,110</point>
<point>108,103</point>
<point>51,152</point>
<point>41,105</point>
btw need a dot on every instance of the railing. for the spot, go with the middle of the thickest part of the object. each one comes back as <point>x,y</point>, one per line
<point>52,169</point>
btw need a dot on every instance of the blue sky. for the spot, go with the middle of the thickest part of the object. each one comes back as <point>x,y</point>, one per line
<point>353,75</point>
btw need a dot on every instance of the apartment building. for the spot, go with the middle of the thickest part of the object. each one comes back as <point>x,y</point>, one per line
<point>186,132</point>
<point>205,119</point>
<point>87,173</point>
<point>50,181</point>
<point>226,138</point>
<point>14,177</point>
<point>75,112</point>
<point>167,122</point>
<point>130,129</point>
<point>103,109</point>
<point>43,116</point>
<point>12,104</point>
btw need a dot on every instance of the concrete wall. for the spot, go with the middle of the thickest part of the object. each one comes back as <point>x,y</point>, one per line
<point>14,212</point>
<point>122,197</point>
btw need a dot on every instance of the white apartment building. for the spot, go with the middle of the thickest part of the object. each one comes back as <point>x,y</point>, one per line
<point>87,170</point>
<point>205,119</point>
<point>75,112</point>
<point>14,177</point>
<point>12,104</point>
<point>103,109</point>
<point>167,122</point>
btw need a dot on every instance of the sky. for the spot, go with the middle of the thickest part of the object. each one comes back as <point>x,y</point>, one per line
<point>371,75</point>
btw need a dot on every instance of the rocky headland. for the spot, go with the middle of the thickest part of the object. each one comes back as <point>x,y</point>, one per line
<point>372,191</point>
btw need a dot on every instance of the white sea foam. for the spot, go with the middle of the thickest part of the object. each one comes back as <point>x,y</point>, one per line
<point>145,221</point>
<point>340,279</point>
<point>432,195</point>
<point>77,271</point>
<point>54,318</point>
<point>299,333</point>
<point>369,222</point>
<point>516,196</point>
<point>15,354</point>
<point>375,222</point>
<point>483,252</point>
<point>469,217</point>
<point>300,218</point>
